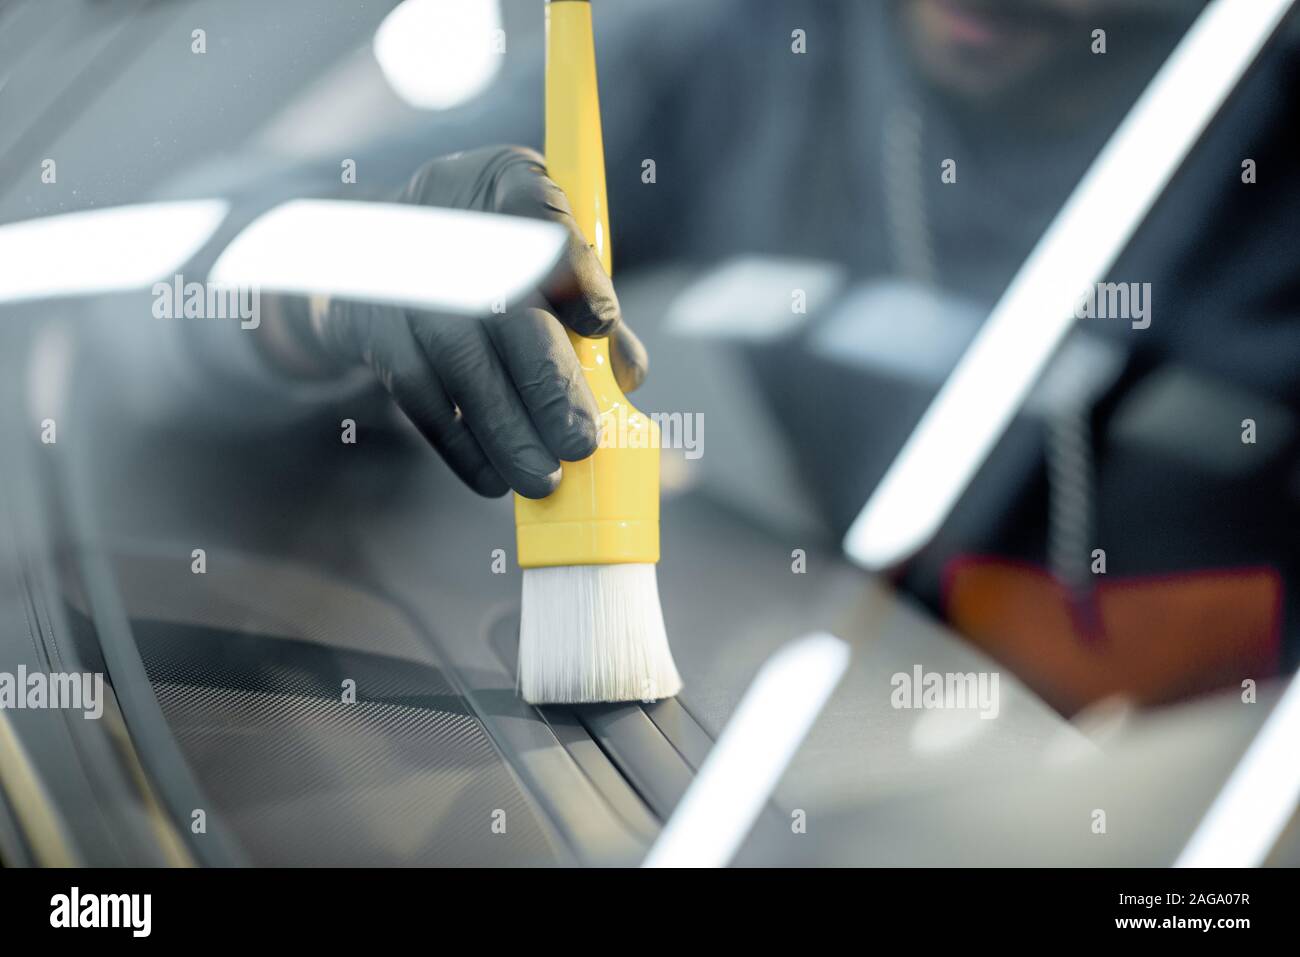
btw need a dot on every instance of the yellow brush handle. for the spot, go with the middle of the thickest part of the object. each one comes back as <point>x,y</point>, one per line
<point>575,154</point>
<point>606,509</point>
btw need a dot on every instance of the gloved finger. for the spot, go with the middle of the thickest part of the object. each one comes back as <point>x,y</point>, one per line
<point>400,365</point>
<point>541,362</point>
<point>579,291</point>
<point>476,380</point>
<point>628,357</point>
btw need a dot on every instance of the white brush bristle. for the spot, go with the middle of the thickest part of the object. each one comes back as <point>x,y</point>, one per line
<point>594,633</point>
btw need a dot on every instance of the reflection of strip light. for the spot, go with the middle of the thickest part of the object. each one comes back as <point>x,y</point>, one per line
<point>978,401</point>
<point>1248,816</point>
<point>437,54</point>
<point>758,743</point>
<point>418,256</point>
<point>103,250</point>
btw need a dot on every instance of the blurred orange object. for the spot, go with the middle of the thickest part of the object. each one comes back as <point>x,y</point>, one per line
<point>1158,638</point>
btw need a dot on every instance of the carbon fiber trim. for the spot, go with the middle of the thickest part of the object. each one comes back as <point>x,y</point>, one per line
<point>405,775</point>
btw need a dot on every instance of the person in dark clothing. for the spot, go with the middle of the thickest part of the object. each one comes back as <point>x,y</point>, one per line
<point>824,130</point>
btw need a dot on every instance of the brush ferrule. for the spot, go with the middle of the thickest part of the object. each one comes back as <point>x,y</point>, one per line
<point>613,542</point>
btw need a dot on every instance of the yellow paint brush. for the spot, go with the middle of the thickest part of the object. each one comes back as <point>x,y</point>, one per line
<point>591,626</point>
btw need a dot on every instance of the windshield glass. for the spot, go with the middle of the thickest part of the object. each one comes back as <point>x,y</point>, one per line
<point>814,209</point>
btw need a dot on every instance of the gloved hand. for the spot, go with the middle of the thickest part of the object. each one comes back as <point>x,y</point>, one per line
<point>500,396</point>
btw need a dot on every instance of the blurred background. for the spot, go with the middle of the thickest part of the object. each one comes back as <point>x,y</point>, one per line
<point>814,208</point>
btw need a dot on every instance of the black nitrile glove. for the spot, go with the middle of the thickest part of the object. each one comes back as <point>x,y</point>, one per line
<point>500,396</point>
